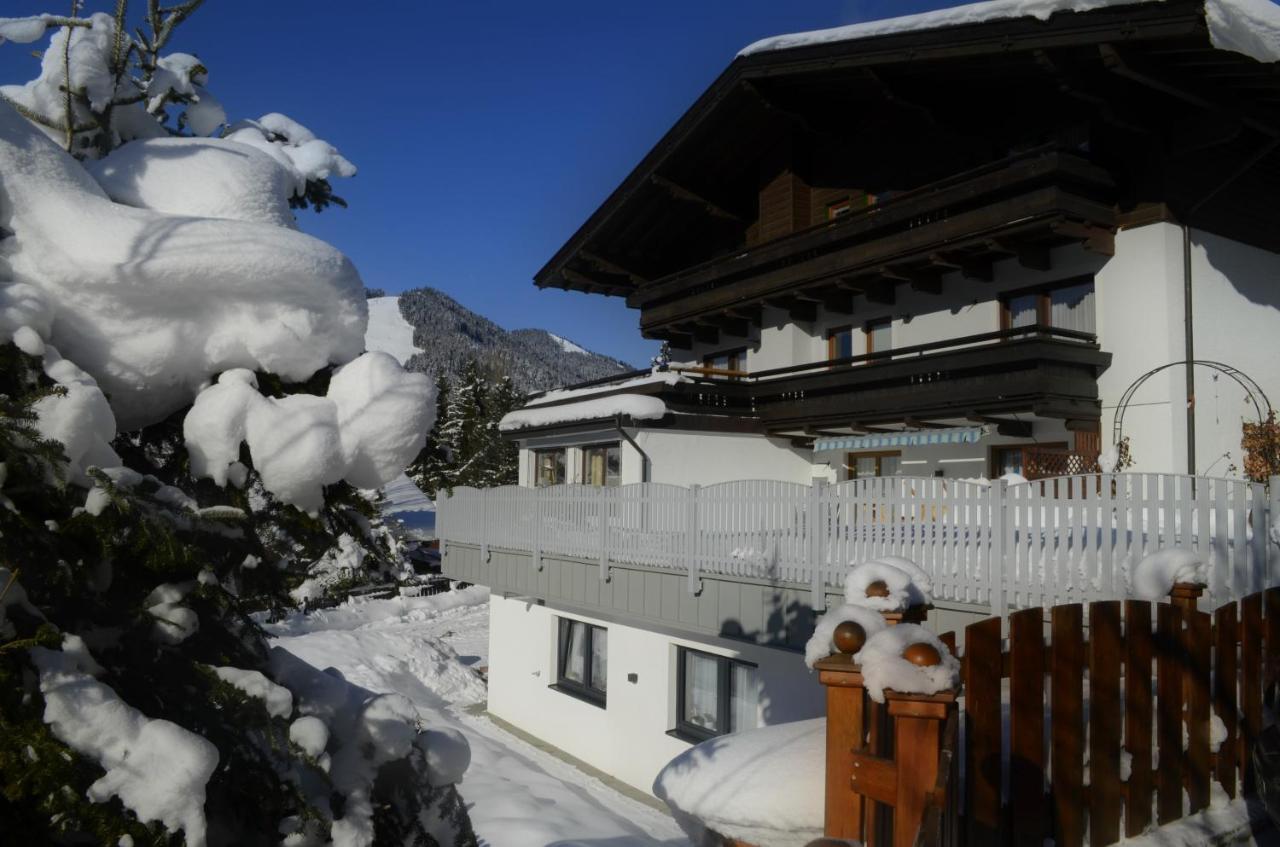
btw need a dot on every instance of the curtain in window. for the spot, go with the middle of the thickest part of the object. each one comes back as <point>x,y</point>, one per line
<point>599,659</point>
<point>700,695</point>
<point>613,466</point>
<point>1072,307</point>
<point>573,640</point>
<point>879,336</point>
<point>1023,310</point>
<point>744,698</point>
<point>890,465</point>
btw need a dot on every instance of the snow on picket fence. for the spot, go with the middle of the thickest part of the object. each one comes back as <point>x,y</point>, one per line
<point>1060,540</point>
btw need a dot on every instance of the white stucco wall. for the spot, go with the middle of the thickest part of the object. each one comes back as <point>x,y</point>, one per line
<point>628,736</point>
<point>705,458</point>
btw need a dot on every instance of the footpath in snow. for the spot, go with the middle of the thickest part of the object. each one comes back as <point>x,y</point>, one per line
<point>428,649</point>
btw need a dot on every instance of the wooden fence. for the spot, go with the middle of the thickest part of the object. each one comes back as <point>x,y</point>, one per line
<point>1060,540</point>
<point>1086,724</point>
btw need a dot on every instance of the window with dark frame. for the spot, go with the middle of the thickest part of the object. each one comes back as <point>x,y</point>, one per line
<point>872,464</point>
<point>582,661</point>
<point>602,464</point>
<point>1063,305</point>
<point>727,360</point>
<point>715,695</point>
<point>839,343</point>
<point>549,467</point>
<point>879,335</point>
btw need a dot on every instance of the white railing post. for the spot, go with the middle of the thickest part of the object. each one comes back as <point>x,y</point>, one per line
<point>691,546</point>
<point>1272,538</point>
<point>484,524</point>
<point>603,500</point>
<point>537,528</point>
<point>818,594</point>
<point>999,547</point>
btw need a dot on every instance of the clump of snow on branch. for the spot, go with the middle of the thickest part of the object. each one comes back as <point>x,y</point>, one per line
<point>277,699</point>
<point>1154,577</point>
<point>158,769</point>
<point>294,147</point>
<point>152,304</point>
<point>763,786</point>
<point>369,426</point>
<point>310,734</point>
<point>903,592</point>
<point>174,622</point>
<point>820,645</point>
<point>198,177</point>
<point>884,667</point>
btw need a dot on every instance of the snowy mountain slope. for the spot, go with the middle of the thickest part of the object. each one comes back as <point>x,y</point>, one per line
<point>388,331</point>
<point>448,334</point>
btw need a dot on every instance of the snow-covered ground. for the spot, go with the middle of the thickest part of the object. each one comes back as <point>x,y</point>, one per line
<point>388,331</point>
<point>429,649</point>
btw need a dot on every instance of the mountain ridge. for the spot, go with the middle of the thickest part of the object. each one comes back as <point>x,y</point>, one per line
<point>448,335</point>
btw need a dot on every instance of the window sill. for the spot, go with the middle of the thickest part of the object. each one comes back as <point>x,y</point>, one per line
<point>591,698</point>
<point>690,737</point>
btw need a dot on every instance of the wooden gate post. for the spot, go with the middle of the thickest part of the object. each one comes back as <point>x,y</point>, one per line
<point>846,735</point>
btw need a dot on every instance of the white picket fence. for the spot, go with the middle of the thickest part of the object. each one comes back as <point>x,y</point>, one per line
<point>1061,540</point>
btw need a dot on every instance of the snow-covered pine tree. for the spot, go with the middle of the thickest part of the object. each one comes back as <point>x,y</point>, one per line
<point>503,455</point>
<point>139,699</point>
<point>430,470</point>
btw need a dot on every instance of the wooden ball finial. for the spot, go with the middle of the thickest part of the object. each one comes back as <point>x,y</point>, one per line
<point>922,654</point>
<point>878,589</point>
<point>849,637</point>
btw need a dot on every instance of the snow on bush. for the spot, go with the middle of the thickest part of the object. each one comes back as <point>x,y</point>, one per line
<point>820,644</point>
<point>277,699</point>
<point>152,304</point>
<point>883,665</point>
<point>902,589</point>
<point>369,426</point>
<point>158,769</point>
<point>1154,577</point>
<point>762,786</point>
<point>198,177</point>
<point>293,146</point>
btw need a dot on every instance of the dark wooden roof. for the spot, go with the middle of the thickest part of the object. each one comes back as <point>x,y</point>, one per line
<point>1137,90</point>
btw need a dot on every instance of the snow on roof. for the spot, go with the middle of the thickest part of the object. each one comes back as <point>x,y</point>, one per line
<point>1251,27</point>
<point>635,406</point>
<point>655,378</point>
<point>761,786</point>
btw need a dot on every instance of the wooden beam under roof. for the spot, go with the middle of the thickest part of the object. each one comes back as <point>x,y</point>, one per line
<point>1034,257</point>
<point>800,310</point>
<point>770,105</point>
<point>679,192</point>
<point>918,423</point>
<point>926,280</point>
<point>839,302</point>
<point>980,268</point>
<point>879,290</point>
<point>1004,426</point>
<point>753,314</point>
<point>1096,239</point>
<point>610,267</point>
<point>582,279</point>
<point>739,327</point>
<point>859,427</point>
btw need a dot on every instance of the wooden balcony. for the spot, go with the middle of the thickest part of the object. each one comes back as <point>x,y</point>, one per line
<point>1017,208</point>
<point>1040,370</point>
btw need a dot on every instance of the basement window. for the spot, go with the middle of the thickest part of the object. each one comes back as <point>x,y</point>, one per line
<point>715,695</point>
<point>582,661</point>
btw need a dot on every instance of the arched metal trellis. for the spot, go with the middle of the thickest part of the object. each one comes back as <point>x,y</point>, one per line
<point>1250,386</point>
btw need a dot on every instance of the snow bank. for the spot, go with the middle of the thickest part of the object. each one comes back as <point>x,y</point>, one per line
<point>820,644</point>
<point>278,700</point>
<point>388,331</point>
<point>883,665</point>
<point>198,177</point>
<point>357,612</point>
<point>1154,576</point>
<point>1251,27</point>
<point>152,304</point>
<point>368,427</point>
<point>158,769</point>
<point>763,786</point>
<point>636,406</point>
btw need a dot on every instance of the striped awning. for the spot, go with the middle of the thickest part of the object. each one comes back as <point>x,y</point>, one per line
<point>911,438</point>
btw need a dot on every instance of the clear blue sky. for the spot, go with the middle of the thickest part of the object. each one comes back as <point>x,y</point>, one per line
<point>484,132</point>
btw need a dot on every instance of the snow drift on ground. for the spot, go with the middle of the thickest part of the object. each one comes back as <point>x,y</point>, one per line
<point>158,769</point>
<point>154,304</point>
<point>1251,27</point>
<point>388,331</point>
<point>368,427</point>
<point>198,177</point>
<point>762,786</point>
<point>427,649</point>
